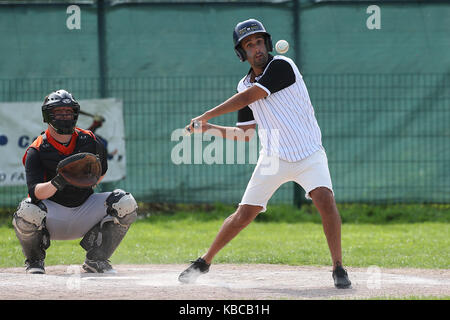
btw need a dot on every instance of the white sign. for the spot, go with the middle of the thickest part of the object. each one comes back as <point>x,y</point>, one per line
<point>21,123</point>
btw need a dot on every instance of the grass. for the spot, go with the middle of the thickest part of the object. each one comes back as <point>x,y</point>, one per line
<point>412,236</point>
<point>350,213</point>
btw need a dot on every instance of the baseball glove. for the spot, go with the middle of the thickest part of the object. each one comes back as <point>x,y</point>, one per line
<point>81,170</point>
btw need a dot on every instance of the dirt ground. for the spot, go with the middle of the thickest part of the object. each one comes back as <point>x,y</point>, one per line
<point>223,282</point>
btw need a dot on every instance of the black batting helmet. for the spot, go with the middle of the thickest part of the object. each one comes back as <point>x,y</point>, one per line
<point>244,29</point>
<point>60,98</point>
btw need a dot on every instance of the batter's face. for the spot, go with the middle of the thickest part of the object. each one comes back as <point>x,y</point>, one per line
<point>255,48</point>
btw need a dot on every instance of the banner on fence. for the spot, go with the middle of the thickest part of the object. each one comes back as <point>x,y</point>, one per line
<point>21,123</point>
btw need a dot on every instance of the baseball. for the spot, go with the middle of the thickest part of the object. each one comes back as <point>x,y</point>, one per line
<point>282,46</point>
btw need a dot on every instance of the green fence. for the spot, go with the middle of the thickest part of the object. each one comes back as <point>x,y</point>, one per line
<point>381,96</point>
<point>387,136</point>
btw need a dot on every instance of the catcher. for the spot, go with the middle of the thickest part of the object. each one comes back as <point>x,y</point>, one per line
<point>62,166</point>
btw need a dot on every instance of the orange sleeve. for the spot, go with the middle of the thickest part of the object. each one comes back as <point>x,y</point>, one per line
<point>36,144</point>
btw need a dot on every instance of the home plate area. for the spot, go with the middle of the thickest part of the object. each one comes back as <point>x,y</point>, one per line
<point>223,282</point>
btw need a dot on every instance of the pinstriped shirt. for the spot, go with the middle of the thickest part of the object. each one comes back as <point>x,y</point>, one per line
<point>287,126</point>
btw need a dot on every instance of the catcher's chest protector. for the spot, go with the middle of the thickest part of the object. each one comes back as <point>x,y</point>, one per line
<point>52,152</point>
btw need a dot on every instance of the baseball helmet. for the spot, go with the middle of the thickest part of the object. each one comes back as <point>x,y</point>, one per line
<point>60,98</point>
<point>246,28</point>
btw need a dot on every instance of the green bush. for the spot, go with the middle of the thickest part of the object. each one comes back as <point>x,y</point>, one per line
<point>350,213</point>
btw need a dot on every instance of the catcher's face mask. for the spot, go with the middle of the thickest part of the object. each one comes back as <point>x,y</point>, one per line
<point>63,113</point>
<point>60,110</point>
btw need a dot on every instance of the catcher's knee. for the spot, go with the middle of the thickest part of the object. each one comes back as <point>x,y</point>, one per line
<point>29,225</point>
<point>102,240</point>
<point>29,217</point>
<point>122,207</point>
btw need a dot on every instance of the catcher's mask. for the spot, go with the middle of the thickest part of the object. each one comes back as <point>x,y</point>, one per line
<point>60,98</point>
<point>244,29</point>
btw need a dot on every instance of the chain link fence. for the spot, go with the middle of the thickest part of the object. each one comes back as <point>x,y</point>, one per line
<point>386,136</point>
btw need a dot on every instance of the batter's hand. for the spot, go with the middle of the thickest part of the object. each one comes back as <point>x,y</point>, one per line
<point>197,125</point>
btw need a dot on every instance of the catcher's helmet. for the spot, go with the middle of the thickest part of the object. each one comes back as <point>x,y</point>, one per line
<point>60,98</point>
<point>244,29</point>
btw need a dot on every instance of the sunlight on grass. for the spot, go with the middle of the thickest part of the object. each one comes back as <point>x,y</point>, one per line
<point>421,245</point>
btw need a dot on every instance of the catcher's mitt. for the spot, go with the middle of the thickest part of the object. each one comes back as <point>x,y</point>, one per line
<point>81,170</point>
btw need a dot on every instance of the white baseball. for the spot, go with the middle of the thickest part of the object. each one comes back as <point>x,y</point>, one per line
<point>282,46</point>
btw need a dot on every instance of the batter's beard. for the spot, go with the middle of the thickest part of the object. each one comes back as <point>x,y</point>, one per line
<point>261,63</point>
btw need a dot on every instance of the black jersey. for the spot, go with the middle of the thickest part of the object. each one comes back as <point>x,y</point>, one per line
<point>43,156</point>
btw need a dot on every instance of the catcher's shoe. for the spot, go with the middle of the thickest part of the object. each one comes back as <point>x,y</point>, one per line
<point>197,268</point>
<point>35,267</point>
<point>340,277</point>
<point>99,266</point>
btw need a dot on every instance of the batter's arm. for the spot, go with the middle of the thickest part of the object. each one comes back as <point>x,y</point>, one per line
<point>235,103</point>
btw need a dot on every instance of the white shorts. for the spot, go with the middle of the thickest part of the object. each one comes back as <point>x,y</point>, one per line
<point>271,172</point>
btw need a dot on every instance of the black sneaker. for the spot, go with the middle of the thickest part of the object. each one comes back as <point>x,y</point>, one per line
<point>35,267</point>
<point>340,277</point>
<point>197,268</point>
<point>99,266</point>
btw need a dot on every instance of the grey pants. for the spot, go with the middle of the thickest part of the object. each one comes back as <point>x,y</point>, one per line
<point>65,223</point>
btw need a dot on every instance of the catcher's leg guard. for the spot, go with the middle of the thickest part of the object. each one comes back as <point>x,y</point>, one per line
<point>103,239</point>
<point>29,225</point>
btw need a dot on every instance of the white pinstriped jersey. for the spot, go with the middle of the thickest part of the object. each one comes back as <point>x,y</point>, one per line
<point>287,126</point>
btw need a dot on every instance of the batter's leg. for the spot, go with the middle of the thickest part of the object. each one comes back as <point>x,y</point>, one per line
<point>324,201</point>
<point>232,225</point>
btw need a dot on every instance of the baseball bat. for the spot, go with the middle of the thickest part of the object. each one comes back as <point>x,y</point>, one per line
<point>196,125</point>
<point>97,117</point>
